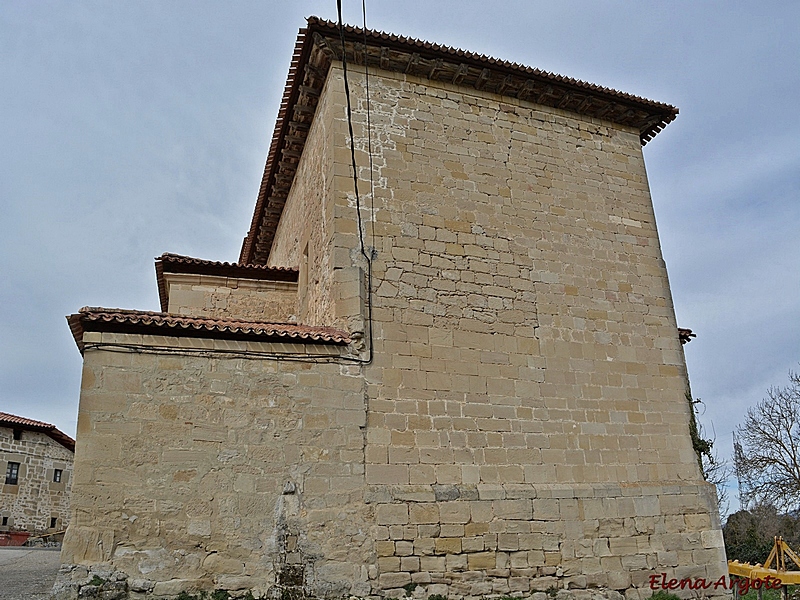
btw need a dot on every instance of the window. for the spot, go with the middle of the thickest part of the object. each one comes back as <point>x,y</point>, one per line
<point>57,475</point>
<point>18,434</point>
<point>53,521</point>
<point>5,521</point>
<point>12,473</point>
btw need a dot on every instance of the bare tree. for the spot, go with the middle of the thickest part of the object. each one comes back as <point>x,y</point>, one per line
<point>767,449</point>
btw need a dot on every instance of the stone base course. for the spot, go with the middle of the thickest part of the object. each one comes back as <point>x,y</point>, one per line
<point>102,581</point>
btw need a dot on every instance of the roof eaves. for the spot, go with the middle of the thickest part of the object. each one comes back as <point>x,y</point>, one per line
<point>133,321</point>
<point>443,63</point>
<point>177,263</point>
<point>15,422</point>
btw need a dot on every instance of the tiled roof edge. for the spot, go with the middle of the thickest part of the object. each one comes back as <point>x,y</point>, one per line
<point>13,421</point>
<point>315,23</point>
<point>158,323</point>
<point>177,263</point>
<point>554,90</point>
<point>302,49</point>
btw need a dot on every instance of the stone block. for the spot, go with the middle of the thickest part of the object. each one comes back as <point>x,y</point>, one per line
<point>389,564</point>
<point>512,509</point>
<point>507,541</point>
<point>471,529</point>
<point>546,509</point>
<point>388,474</point>
<point>447,545</point>
<point>392,514</point>
<point>472,544</point>
<point>384,548</point>
<point>481,561</point>
<point>404,548</point>
<point>424,513</point>
<point>424,546</point>
<point>199,527</point>
<point>712,538</point>
<point>394,580</point>
<point>456,562</point>
<point>432,564</point>
<point>409,564</point>
<point>451,530</point>
<point>454,512</point>
<point>222,565</point>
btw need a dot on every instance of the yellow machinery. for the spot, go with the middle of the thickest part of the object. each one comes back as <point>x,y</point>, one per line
<point>779,553</point>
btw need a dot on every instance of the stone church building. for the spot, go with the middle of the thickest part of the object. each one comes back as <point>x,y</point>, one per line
<point>468,377</point>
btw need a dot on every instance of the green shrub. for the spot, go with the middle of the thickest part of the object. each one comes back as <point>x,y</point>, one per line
<point>663,595</point>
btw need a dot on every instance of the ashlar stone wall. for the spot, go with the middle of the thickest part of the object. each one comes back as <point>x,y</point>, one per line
<point>231,297</point>
<point>36,499</point>
<point>304,236</point>
<point>527,416</point>
<point>209,471</point>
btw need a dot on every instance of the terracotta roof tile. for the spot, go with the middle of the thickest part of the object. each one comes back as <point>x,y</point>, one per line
<point>176,263</point>
<point>158,323</point>
<point>15,422</point>
<point>315,23</point>
<point>424,59</point>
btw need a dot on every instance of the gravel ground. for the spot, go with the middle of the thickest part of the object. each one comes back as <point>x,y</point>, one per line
<point>28,573</point>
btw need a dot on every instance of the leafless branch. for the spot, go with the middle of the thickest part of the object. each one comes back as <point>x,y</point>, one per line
<point>767,457</point>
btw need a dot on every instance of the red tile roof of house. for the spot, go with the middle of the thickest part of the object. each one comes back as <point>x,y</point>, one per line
<point>321,39</point>
<point>15,422</point>
<point>176,263</point>
<point>157,323</point>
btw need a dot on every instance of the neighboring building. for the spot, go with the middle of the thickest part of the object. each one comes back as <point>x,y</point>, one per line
<point>494,404</point>
<point>36,463</point>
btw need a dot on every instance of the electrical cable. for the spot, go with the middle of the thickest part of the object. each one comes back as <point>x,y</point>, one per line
<point>243,354</point>
<point>350,128</point>
<point>369,127</point>
<point>355,170</point>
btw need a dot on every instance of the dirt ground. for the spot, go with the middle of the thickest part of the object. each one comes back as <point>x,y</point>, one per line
<point>27,573</point>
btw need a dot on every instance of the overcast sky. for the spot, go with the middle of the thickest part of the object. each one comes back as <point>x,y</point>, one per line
<point>128,129</point>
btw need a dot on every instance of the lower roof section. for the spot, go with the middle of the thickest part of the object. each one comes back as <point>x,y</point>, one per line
<point>115,320</point>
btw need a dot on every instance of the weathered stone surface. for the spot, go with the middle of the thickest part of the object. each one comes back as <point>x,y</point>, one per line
<point>228,297</point>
